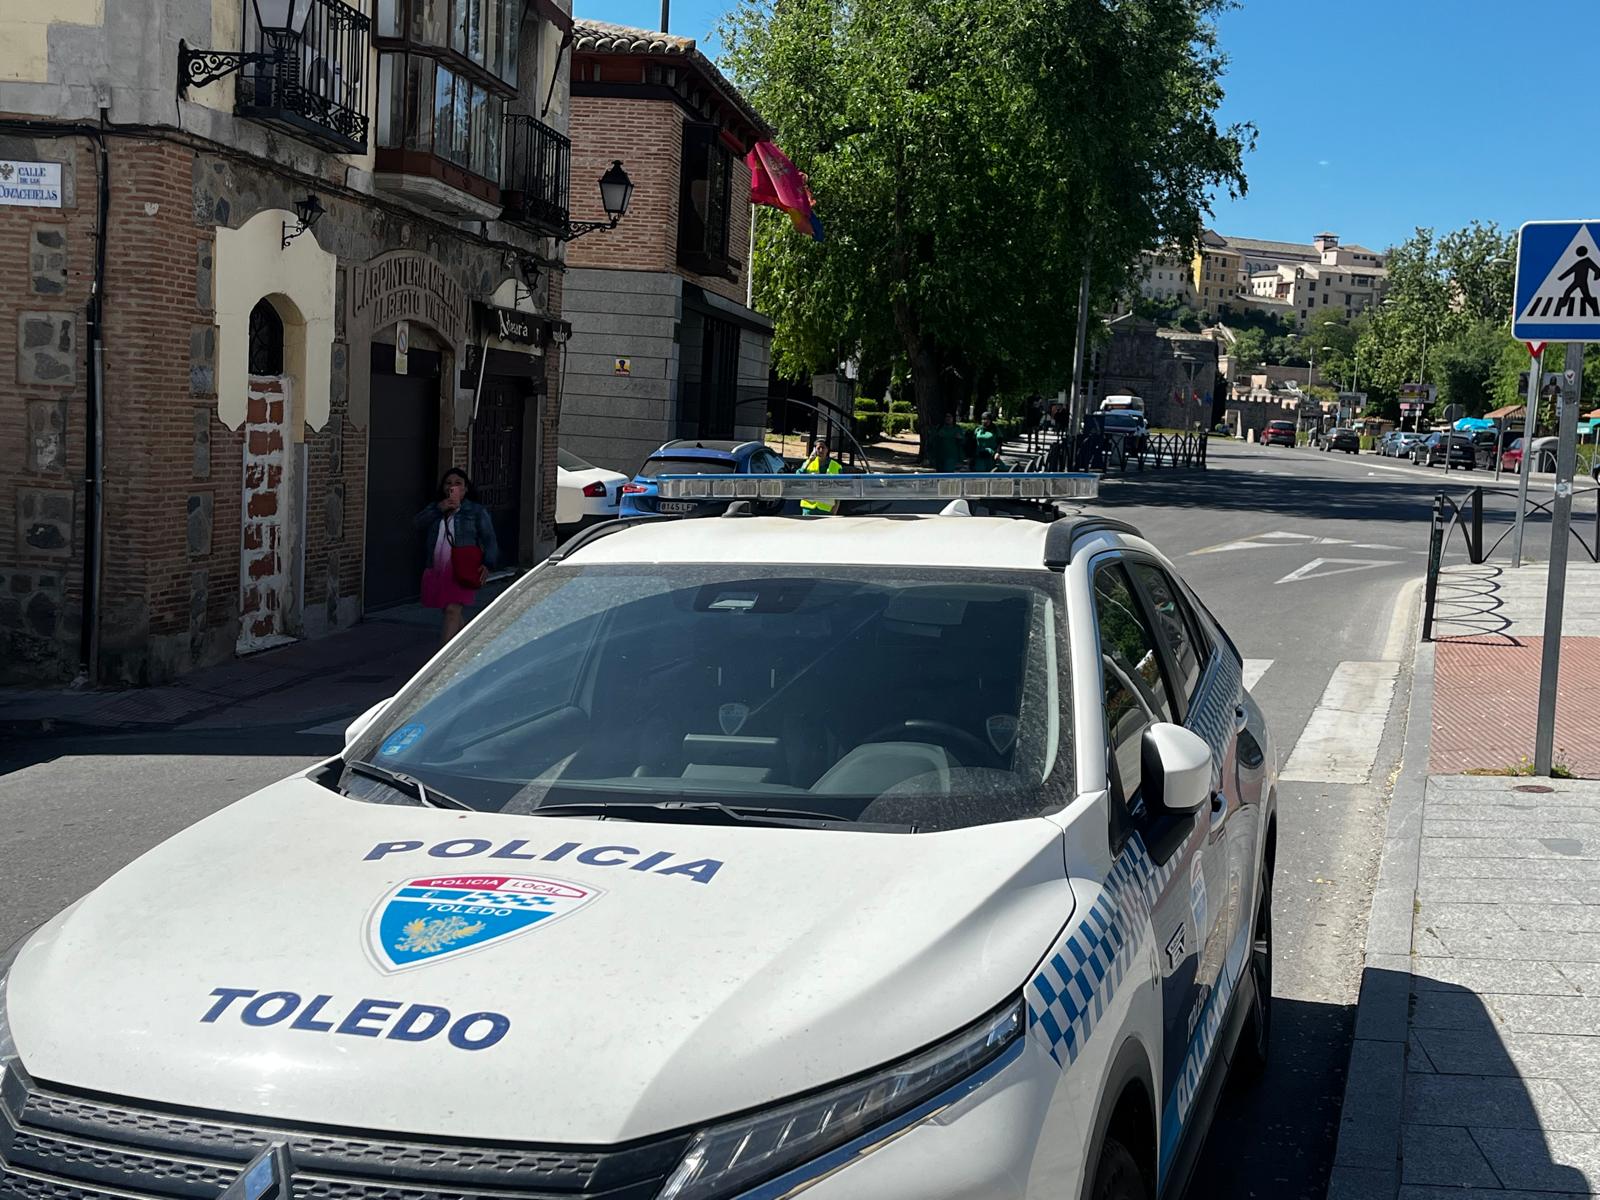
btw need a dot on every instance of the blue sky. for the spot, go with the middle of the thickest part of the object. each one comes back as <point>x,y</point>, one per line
<point>1376,116</point>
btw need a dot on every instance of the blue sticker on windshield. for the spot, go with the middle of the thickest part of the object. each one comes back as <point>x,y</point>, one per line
<point>401,739</point>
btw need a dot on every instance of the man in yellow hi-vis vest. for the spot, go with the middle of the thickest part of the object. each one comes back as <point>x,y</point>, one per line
<point>821,462</point>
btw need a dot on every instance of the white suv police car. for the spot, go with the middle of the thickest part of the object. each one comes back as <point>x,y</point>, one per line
<point>862,856</point>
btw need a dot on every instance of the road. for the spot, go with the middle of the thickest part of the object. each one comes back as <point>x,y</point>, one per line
<point>1311,561</point>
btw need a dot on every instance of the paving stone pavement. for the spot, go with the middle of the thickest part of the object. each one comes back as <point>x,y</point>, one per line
<point>1476,1069</point>
<point>1489,642</point>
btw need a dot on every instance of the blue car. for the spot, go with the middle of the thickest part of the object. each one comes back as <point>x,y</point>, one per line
<point>640,498</point>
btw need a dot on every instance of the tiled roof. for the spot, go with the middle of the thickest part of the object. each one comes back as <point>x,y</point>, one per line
<point>602,37</point>
<point>1285,249</point>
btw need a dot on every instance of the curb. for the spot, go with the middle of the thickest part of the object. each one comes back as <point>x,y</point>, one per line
<point>1366,1162</point>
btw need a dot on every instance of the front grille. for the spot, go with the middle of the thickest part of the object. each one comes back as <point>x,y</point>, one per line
<point>56,1145</point>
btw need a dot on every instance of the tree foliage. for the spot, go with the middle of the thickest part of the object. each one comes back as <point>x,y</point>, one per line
<point>967,157</point>
<point>1445,320</point>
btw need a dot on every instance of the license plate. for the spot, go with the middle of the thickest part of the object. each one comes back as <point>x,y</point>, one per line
<point>677,506</point>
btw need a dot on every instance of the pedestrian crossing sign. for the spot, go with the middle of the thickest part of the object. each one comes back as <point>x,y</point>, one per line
<point>1558,282</point>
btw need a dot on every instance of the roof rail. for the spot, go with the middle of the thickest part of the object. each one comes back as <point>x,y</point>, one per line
<point>594,533</point>
<point>1063,536</point>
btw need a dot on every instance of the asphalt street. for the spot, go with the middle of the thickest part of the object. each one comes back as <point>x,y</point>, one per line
<point>1312,562</point>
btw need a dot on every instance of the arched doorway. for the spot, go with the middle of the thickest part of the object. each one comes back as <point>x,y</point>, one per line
<point>265,574</point>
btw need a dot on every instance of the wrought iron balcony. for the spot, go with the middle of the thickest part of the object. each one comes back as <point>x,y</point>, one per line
<point>314,83</point>
<point>538,165</point>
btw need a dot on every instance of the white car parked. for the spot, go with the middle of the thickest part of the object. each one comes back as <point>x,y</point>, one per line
<point>869,857</point>
<point>585,493</point>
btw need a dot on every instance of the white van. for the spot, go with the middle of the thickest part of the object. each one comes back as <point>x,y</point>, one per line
<point>1122,404</point>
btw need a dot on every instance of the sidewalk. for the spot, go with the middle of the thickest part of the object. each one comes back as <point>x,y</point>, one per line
<point>330,679</point>
<point>1475,1070</point>
<point>1489,638</point>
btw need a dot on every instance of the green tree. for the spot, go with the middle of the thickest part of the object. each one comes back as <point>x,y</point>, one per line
<point>967,157</point>
<point>1249,349</point>
<point>1466,367</point>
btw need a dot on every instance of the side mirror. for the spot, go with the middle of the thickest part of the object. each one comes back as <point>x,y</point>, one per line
<point>1176,766</point>
<point>359,726</point>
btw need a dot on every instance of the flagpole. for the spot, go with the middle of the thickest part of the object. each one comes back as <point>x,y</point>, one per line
<point>750,264</point>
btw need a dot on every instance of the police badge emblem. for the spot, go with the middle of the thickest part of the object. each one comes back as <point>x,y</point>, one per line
<point>430,918</point>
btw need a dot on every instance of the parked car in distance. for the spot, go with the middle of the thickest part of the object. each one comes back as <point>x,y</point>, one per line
<point>684,457</point>
<point>1511,457</point>
<point>1342,439</point>
<point>1278,433</point>
<point>585,493</point>
<point>1402,443</point>
<point>1432,451</point>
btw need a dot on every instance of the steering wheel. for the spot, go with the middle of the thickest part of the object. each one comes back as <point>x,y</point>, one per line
<point>945,732</point>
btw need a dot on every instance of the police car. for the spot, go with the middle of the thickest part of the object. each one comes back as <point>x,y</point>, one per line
<point>929,856</point>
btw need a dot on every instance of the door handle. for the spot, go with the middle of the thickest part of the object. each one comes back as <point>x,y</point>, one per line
<point>1219,815</point>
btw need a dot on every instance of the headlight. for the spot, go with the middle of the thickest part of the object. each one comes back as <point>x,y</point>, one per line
<point>8,1048</point>
<point>725,1159</point>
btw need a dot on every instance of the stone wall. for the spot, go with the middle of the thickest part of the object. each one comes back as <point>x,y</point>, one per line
<point>46,255</point>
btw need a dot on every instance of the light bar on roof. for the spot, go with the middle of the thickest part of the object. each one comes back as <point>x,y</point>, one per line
<point>999,485</point>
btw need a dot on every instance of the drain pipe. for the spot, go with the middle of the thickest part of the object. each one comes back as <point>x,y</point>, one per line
<point>94,418</point>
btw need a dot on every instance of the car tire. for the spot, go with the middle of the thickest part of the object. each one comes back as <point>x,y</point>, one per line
<point>1255,1040</point>
<point>1117,1175</point>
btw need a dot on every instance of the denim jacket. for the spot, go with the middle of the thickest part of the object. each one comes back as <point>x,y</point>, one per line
<point>473,527</point>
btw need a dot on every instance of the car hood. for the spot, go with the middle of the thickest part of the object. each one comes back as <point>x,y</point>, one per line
<point>676,973</point>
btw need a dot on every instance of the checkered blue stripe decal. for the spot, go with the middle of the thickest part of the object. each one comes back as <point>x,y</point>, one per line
<point>1068,996</point>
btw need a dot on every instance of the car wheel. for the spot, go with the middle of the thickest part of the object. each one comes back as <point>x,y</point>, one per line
<point>1255,1041</point>
<point>1117,1177</point>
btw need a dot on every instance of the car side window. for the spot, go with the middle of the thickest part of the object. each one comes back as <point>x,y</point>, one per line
<point>1134,685</point>
<point>1177,626</point>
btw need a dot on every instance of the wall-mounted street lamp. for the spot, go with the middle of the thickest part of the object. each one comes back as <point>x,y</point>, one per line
<point>281,22</point>
<point>616,192</point>
<point>309,211</point>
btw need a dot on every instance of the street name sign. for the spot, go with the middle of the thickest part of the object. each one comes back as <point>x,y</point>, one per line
<point>1558,282</point>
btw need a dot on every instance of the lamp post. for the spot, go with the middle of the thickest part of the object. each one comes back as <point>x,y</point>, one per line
<point>616,193</point>
<point>282,24</point>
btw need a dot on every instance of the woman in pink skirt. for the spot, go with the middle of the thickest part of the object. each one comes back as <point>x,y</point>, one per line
<point>455,519</point>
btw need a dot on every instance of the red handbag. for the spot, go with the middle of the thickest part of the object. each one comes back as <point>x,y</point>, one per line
<point>466,562</point>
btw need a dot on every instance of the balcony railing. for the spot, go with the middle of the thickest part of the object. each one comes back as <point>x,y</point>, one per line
<point>313,84</point>
<point>538,164</point>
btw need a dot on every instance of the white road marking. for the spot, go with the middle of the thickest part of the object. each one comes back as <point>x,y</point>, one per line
<point>1293,537</point>
<point>1317,568</point>
<point>1226,546</point>
<point>1340,742</point>
<point>1254,669</point>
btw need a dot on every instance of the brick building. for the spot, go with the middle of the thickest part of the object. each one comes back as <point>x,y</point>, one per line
<point>271,410</point>
<point>664,342</point>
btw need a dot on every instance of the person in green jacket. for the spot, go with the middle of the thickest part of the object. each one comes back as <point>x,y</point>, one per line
<point>949,446</point>
<point>987,455</point>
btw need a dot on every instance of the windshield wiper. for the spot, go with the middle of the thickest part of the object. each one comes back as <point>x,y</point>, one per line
<point>430,796</point>
<point>698,809</point>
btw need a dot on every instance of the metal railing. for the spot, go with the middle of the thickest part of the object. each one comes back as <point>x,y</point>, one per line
<point>537,173</point>
<point>313,82</point>
<point>1465,514</point>
<point>1119,454</point>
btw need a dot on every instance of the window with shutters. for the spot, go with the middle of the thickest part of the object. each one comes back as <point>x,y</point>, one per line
<point>705,202</point>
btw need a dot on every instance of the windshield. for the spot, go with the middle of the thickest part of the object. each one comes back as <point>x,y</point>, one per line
<point>685,465</point>
<point>1283,426</point>
<point>897,696</point>
<point>568,461</point>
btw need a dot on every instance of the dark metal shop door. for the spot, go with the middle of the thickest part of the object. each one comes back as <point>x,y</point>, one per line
<point>402,474</point>
<point>497,460</point>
